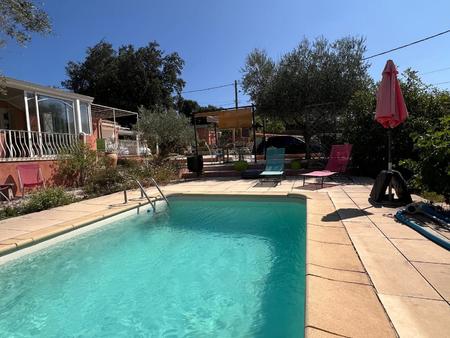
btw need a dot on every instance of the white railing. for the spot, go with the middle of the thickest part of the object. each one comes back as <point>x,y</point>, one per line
<point>127,147</point>
<point>22,145</point>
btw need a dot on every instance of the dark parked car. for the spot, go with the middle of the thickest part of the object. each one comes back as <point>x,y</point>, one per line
<point>291,144</point>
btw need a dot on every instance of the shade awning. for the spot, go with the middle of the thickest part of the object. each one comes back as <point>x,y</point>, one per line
<point>230,118</point>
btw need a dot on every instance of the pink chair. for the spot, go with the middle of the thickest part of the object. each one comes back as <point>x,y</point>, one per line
<point>30,176</point>
<point>337,162</point>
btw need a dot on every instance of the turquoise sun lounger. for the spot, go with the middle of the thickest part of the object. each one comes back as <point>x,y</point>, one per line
<point>274,170</point>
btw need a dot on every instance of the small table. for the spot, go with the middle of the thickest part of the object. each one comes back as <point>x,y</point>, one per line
<point>9,191</point>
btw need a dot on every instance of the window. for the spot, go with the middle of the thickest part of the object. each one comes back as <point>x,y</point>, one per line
<point>56,115</point>
<point>4,119</point>
<point>85,118</point>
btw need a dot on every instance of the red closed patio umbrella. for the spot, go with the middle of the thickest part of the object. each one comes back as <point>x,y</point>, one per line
<point>391,108</point>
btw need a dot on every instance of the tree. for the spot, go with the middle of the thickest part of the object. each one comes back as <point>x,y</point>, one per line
<point>431,171</point>
<point>258,70</point>
<point>311,83</point>
<point>128,77</point>
<point>18,20</point>
<point>165,127</point>
<point>426,105</point>
<point>187,107</point>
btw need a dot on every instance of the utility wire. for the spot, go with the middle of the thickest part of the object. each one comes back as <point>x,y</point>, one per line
<point>407,45</point>
<point>435,71</point>
<point>209,88</point>
<point>439,83</point>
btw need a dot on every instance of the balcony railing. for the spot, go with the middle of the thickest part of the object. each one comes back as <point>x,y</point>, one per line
<point>127,147</point>
<point>22,145</point>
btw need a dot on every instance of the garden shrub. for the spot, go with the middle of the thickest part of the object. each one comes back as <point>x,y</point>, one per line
<point>8,212</point>
<point>296,164</point>
<point>104,180</point>
<point>431,170</point>
<point>46,198</point>
<point>75,165</point>
<point>240,166</point>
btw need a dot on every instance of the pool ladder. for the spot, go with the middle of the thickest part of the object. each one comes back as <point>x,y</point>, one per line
<point>143,193</point>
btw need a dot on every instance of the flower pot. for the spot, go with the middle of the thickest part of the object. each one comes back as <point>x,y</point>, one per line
<point>112,157</point>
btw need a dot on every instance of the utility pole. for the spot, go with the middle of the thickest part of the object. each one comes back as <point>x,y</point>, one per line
<point>236,105</point>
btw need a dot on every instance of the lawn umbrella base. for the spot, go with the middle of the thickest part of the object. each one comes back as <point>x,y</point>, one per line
<point>390,178</point>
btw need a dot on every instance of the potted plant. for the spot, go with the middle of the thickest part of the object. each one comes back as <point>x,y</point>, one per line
<point>111,152</point>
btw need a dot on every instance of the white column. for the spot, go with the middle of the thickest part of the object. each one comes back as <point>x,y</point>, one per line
<point>38,123</point>
<point>27,117</point>
<point>78,115</point>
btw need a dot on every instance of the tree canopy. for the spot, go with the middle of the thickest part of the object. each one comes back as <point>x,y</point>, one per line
<point>313,73</point>
<point>20,18</point>
<point>128,77</point>
<point>165,127</point>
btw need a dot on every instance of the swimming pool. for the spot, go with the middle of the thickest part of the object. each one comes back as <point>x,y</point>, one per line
<point>206,267</point>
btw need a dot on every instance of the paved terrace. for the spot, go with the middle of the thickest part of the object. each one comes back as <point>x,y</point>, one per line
<point>367,275</point>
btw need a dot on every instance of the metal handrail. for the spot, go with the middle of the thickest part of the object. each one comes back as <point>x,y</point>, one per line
<point>159,189</point>
<point>145,194</point>
<point>152,203</point>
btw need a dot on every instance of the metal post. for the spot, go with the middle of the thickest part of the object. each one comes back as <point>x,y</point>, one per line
<point>38,122</point>
<point>125,197</point>
<point>389,164</point>
<point>78,115</point>
<point>264,137</point>
<point>27,116</point>
<point>114,129</point>
<point>236,104</point>
<point>137,136</point>
<point>254,132</point>
<point>215,134</point>
<point>195,135</point>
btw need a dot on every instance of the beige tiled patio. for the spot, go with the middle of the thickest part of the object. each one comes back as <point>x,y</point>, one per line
<point>367,275</point>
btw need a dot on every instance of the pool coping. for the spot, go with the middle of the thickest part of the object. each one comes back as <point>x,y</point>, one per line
<point>351,281</point>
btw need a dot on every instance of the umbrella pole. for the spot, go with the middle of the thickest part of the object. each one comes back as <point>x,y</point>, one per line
<point>390,163</point>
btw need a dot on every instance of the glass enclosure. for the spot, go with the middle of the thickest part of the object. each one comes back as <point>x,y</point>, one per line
<point>56,115</point>
<point>84,117</point>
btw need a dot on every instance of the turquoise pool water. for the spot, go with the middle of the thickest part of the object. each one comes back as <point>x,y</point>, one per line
<point>207,267</point>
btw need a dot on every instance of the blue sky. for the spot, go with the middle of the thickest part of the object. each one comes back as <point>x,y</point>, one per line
<point>214,37</point>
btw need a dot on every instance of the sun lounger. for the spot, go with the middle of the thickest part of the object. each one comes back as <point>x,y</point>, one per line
<point>337,163</point>
<point>274,170</point>
<point>30,175</point>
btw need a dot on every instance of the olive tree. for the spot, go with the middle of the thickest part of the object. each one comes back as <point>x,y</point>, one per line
<point>166,128</point>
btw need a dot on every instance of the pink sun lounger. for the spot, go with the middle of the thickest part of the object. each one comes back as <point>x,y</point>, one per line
<point>30,175</point>
<point>337,162</point>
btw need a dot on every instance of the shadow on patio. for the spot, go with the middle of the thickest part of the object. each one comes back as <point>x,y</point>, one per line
<point>345,213</point>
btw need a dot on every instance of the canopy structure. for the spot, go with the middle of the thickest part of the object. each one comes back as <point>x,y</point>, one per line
<point>232,118</point>
<point>111,113</point>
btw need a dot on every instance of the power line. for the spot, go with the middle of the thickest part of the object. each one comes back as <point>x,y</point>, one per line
<point>209,88</point>
<point>436,71</point>
<point>408,44</point>
<point>439,83</point>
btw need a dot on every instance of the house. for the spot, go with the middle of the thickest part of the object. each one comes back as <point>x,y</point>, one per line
<point>38,122</point>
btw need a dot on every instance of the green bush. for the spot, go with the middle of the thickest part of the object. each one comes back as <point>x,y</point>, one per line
<point>162,171</point>
<point>296,164</point>
<point>240,166</point>
<point>431,171</point>
<point>8,212</point>
<point>75,165</point>
<point>105,180</point>
<point>46,198</point>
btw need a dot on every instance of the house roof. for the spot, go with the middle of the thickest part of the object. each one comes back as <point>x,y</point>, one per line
<point>33,87</point>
